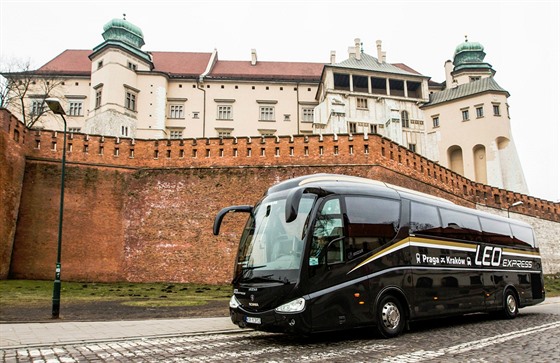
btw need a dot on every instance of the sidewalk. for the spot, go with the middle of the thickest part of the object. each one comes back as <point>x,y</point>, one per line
<point>48,334</point>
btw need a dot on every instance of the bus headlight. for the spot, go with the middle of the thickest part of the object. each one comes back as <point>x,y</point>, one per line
<point>233,303</point>
<point>295,306</point>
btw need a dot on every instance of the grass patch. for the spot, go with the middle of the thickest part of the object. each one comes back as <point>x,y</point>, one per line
<point>32,292</point>
<point>552,285</point>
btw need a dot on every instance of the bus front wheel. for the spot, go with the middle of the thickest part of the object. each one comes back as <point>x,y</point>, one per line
<point>511,308</point>
<point>390,317</point>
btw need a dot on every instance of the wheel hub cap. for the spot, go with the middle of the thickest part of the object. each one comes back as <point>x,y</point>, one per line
<point>391,315</point>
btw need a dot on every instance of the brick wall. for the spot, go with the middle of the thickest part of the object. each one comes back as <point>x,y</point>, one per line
<point>147,215</point>
<point>12,164</point>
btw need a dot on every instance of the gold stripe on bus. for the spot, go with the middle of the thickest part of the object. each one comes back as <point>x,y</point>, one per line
<point>430,243</point>
<point>383,252</point>
<point>519,252</point>
<point>443,243</point>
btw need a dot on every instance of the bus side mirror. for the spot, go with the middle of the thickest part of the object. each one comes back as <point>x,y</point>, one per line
<point>292,204</point>
<point>223,212</point>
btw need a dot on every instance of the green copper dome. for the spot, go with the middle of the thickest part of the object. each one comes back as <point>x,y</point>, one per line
<point>122,30</point>
<point>470,55</point>
<point>469,46</point>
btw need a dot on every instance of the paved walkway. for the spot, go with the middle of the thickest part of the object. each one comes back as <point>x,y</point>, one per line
<point>58,333</point>
<point>48,334</point>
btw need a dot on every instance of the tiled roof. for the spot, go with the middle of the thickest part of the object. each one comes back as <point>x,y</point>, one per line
<point>69,62</point>
<point>406,68</point>
<point>267,70</point>
<point>464,90</point>
<point>190,64</point>
<point>369,63</point>
<point>180,63</point>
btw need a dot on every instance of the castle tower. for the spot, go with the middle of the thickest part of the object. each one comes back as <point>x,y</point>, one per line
<point>115,92</point>
<point>469,121</point>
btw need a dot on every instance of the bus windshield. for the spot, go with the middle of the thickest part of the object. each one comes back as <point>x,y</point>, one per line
<point>271,249</point>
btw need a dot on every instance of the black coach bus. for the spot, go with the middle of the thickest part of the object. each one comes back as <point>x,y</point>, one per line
<point>326,252</point>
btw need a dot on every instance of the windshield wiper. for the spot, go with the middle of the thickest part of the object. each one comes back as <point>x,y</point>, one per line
<point>249,268</point>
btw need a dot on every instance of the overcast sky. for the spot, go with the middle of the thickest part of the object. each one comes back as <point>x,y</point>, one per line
<point>521,41</point>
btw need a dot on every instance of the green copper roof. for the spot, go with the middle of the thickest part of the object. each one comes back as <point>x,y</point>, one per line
<point>369,63</point>
<point>123,34</point>
<point>469,46</point>
<point>122,30</point>
<point>488,84</point>
<point>469,55</point>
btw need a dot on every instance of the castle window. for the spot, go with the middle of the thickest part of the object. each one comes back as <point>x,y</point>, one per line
<point>307,114</point>
<point>100,64</point>
<point>465,114</point>
<point>130,100</point>
<point>266,113</point>
<point>352,127</point>
<point>175,134</point>
<point>98,98</point>
<point>225,112</point>
<point>37,107</point>
<point>404,119</point>
<point>361,103</point>
<point>124,130</point>
<point>496,109</point>
<point>435,121</point>
<point>75,108</point>
<point>479,111</point>
<point>224,132</point>
<point>412,147</point>
<point>176,111</point>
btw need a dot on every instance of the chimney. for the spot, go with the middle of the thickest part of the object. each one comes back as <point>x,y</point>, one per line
<point>380,53</point>
<point>333,56</point>
<point>448,78</point>
<point>253,57</point>
<point>351,52</point>
<point>358,47</point>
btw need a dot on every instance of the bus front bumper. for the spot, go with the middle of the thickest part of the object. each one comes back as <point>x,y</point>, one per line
<point>270,321</point>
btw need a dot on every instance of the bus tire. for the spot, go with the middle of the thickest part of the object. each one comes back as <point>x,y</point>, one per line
<point>511,305</point>
<point>390,317</point>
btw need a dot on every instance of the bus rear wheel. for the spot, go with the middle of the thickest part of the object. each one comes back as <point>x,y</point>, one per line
<point>511,308</point>
<point>390,317</point>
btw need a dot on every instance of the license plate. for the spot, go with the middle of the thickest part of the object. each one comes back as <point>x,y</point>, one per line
<point>251,320</point>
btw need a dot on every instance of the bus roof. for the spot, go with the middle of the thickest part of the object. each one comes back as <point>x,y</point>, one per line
<point>353,184</point>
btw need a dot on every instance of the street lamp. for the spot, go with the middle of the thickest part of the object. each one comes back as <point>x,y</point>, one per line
<point>514,205</point>
<point>56,108</point>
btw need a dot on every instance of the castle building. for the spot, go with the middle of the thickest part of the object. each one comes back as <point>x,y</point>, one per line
<point>120,90</point>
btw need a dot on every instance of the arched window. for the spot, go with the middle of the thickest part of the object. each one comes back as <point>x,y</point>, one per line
<point>404,119</point>
<point>479,155</point>
<point>455,157</point>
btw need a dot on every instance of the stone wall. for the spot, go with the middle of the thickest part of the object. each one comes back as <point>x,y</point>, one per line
<point>12,165</point>
<point>142,210</point>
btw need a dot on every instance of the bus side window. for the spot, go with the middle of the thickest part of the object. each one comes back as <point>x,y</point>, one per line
<point>424,219</point>
<point>372,222</point>
<point>328,227</point>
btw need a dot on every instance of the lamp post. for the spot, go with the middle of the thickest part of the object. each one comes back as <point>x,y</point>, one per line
<point>56,108</point>
<point>514,205</point>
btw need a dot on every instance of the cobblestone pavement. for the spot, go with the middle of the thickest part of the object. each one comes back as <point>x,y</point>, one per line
<point>474,338</point>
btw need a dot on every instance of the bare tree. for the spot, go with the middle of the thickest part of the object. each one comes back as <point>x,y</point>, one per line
<point>23,90</point>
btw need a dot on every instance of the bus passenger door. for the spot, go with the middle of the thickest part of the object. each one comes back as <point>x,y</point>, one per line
<point>332,306</point>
